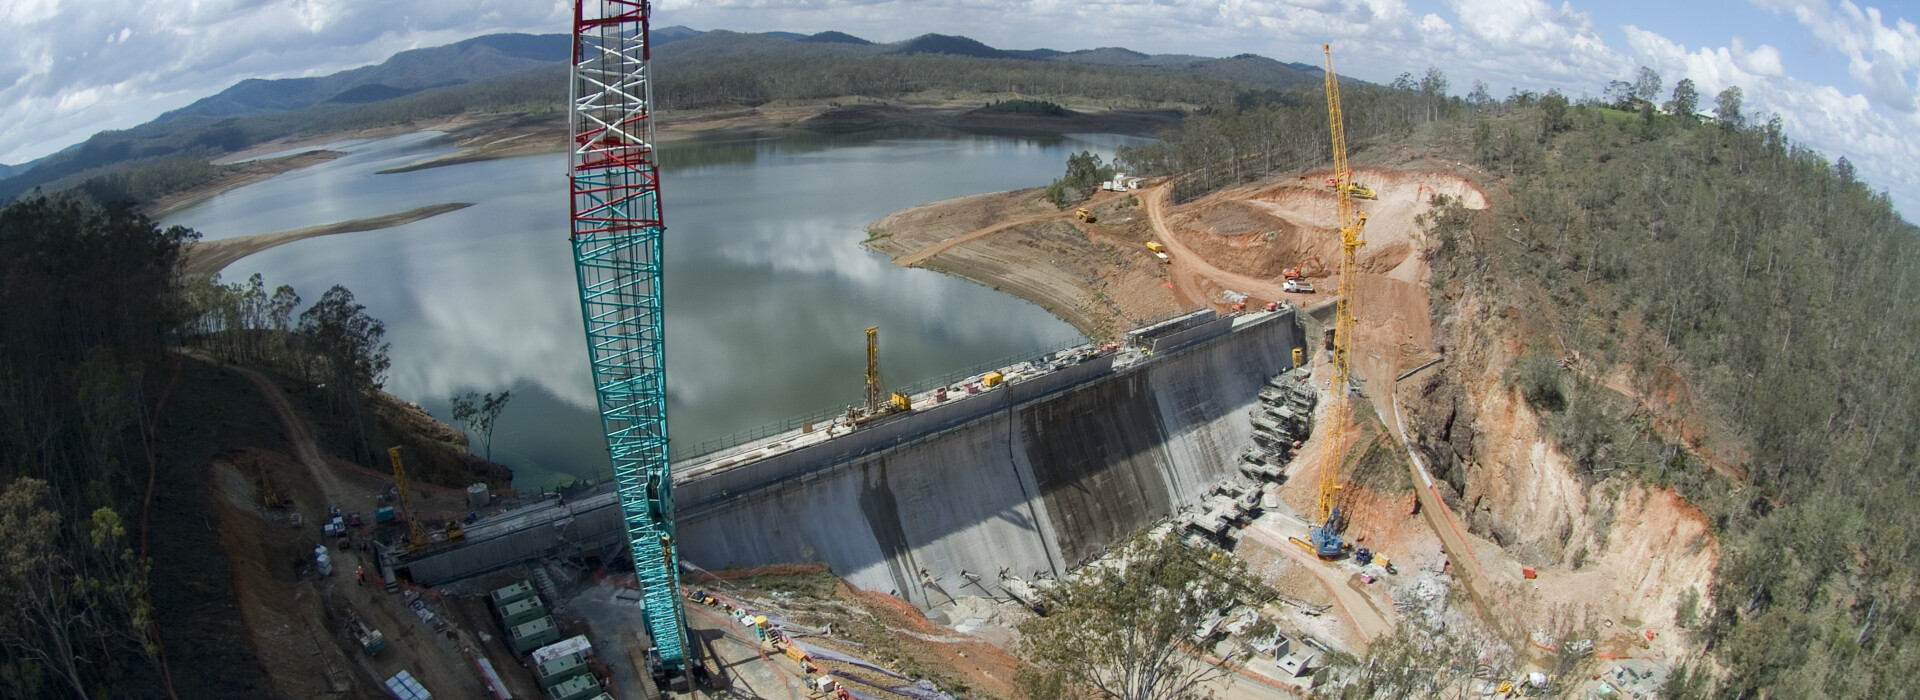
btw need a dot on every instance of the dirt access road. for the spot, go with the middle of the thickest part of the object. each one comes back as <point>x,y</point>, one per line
<point>1189,267</point>
<point>1186,268</point>
<point>1465,566</point>
<point>297,621</point>
<point>299,436</point>
<point>1359,607</point>
<point>915,258</point>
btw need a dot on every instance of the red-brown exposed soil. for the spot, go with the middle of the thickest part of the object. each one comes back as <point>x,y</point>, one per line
<point>983,665</point>
<point>882,628</point>
<point>1640,550</point>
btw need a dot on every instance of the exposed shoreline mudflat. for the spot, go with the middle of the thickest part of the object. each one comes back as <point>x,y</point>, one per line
<point>209,257</point>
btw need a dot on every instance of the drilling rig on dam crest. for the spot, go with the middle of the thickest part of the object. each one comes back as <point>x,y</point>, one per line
<point>617,233</point>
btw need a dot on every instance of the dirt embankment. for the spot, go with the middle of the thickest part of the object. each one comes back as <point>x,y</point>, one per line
<point>1230,243</point>
<point>298,618</point>
<point>1618,554</point>
<point>1098,276</point>
<point>879,628</point>
<point>914,234</point>
<point>233,585</point>
<point>493,137</point>
<point>523,135</point>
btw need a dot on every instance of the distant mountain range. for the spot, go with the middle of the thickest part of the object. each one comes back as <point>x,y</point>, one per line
<point>405,73</point>
<point>493,55</point>
<point>486,58</point>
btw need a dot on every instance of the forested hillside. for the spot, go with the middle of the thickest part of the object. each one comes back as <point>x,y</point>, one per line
<point>1779,288</point>
<point>1258,132</point>
<point>1742,277</point>
<point>79,370</point>
<point>112,405</point>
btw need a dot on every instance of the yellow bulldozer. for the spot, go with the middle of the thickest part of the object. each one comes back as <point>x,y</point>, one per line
<point>1356,189</point>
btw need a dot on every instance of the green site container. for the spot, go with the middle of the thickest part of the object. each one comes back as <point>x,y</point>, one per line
<point>562,669</point>
<point>576,688</point>
<point>383,514</point>
<point>512,594</point>
<point>522,612</point>
<point>534,635</point>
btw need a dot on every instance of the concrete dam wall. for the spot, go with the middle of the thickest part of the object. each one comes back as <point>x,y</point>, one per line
<point>1037,478</point>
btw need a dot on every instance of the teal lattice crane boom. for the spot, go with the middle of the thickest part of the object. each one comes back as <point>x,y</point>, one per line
<point>617,236</point>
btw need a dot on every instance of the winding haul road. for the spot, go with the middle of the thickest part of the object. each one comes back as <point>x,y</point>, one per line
<point>914,259</point>
<point>1359,607</point>
<point>1189,267</point>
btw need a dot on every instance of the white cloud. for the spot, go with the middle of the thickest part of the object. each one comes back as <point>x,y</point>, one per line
<point>1879,143</point>
<point>1764,60</point>
<point>1712,69</point>
<point>1529,23</point>
<point>68,69</point>
<point>1879,54</point>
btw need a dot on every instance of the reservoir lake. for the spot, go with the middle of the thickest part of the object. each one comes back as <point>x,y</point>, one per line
<point>768,288</point>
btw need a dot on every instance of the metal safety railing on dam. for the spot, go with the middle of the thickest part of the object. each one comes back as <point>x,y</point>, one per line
<point>716,447</point>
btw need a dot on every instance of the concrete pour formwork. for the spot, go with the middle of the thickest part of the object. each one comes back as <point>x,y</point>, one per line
<point>1034,480</point>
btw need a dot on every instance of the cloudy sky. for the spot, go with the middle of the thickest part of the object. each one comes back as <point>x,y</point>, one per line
<point>1841,75</point>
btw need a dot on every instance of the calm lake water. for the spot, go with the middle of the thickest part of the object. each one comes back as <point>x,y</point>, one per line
<point>769,291</point>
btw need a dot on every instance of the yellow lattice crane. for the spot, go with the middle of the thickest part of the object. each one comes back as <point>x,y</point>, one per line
<point>417,535</point>
<point>1326,535</point>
